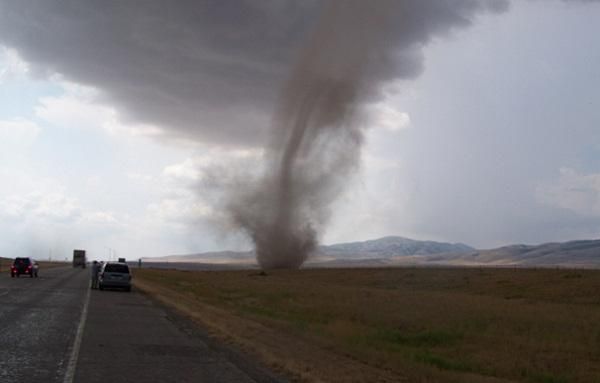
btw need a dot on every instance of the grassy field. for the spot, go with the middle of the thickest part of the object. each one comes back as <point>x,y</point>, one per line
<point>413,325</point>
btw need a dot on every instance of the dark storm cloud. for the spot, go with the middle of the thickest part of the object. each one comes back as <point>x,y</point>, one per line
<point>206,70</point>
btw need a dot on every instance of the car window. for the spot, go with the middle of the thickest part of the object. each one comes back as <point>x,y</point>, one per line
<point>19,261</point>
<point>117,269</point>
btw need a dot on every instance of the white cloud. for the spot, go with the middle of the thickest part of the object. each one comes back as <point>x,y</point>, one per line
<point>140,177</point>
<point>40,207</point>
<point>188,170</point>
<point>75,110</point>
<point>11,65</point>
<point>372,162</point>
<point>55,207</point>
<point>79,107</point>
<point>211,163</point>
<point>573,191</point>
<point>43,224</point>
<point>193,189</point>
<point>376,201</point>
<point>99,218</point>
<point>384,116</point>
<point>20,132</point>
<point>184,210</point>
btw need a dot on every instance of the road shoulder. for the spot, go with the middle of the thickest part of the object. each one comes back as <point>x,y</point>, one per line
<point>129,337</point>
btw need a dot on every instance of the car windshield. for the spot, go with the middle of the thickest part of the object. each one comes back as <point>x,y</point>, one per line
<point>124,269</point>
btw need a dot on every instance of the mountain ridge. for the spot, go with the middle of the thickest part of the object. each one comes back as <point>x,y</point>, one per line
<point>401,251</point>
<point>385,247</point>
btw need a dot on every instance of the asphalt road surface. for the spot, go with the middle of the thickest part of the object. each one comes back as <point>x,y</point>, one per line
<point>55,329</point>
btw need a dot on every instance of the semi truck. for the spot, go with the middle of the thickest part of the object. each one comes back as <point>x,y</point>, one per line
<point>79,258</point>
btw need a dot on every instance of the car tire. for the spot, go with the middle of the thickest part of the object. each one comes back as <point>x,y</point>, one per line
<point>128,289</point>
<point>12,275</point>
<point>100,287</point>
<point>31,275</point>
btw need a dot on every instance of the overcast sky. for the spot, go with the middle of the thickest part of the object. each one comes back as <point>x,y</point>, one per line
<point>124,127</point>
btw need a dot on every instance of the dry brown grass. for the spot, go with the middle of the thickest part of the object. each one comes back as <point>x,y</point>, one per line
<point>414,325</point>
<point>5,264</point>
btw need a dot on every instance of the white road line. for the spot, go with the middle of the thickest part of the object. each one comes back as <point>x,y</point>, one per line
<point>70,372</point>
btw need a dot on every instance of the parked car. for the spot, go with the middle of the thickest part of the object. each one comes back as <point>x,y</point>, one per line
<point>25,266</point>
<point>115,275</point>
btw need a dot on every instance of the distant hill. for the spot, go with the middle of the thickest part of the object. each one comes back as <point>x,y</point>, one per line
<point>585,253</point>
<point>399,251</point>
<point>209,257</point>
<point>386,247</point>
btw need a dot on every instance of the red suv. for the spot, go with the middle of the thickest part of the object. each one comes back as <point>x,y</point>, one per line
<point>24,266</point>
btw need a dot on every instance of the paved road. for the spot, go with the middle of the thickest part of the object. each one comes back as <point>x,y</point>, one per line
<point>123,337</point>
<point>38,320</point>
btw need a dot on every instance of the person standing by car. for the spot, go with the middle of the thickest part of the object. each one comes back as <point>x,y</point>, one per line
<point>95,271</point>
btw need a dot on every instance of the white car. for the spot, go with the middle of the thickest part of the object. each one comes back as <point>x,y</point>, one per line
<point>115,275</point>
